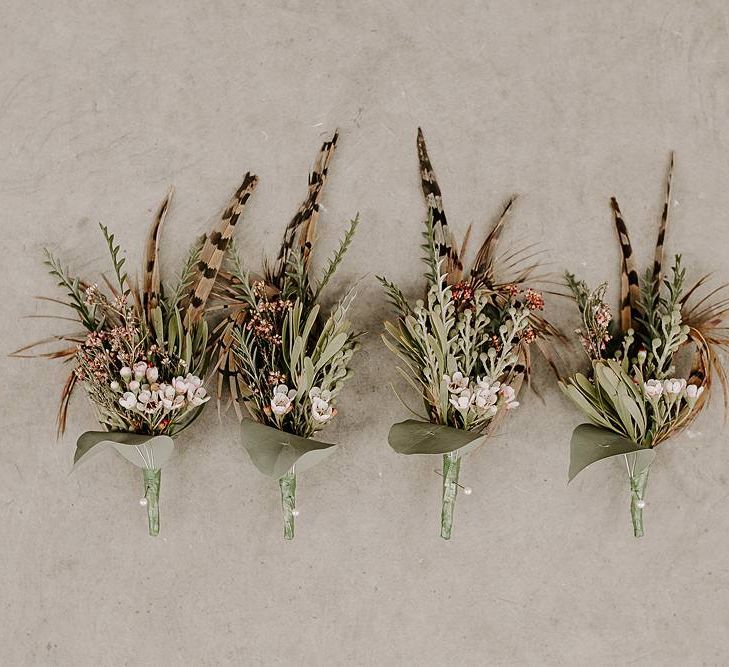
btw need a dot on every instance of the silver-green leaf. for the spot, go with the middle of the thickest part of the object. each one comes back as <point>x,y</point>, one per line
<point>275,452</point>
<point>144,451</point>
<point>591,443</point>
<point>418,437</point>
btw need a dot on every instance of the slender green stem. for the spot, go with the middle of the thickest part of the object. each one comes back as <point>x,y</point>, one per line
<point>637,500</point>
<point>451,468</point>
<point>288,502</point>
<point>151,494</point>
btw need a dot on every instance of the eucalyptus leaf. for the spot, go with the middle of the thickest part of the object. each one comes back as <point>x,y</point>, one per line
<point>591,443</point>
<point>418,437</point>
<point>144,451</point>
<point>275,452</point>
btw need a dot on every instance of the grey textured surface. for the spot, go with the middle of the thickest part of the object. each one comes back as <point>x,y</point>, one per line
<point>103,104</point>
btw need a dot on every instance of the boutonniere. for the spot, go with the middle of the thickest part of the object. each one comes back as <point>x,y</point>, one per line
<point>465,346</point>
<point>142,353</point>
<point>281,354</point>
<point>637,393</point>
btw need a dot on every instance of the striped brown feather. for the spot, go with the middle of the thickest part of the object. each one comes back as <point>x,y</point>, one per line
<point>152,283</point>
<point>226,367</point>
<point>304,221</point>
<point>213,252</point>
<point>483,269</point>
<point>629,289</point>
<point>444,239</point>
<point>658,259</point>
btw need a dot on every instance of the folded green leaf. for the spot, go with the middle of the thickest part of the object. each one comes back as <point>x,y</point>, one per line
<point>144,451</point>
<point>275,452</point>
<point>591,443</point>
<point>417,437</point>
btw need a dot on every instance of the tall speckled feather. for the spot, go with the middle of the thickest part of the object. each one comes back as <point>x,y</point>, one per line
<point>304,221</point>
<point>658,259</point>
<point>443,236</point>
<point>213,251</point>
<point>152,282</point>
<point>629,289</point>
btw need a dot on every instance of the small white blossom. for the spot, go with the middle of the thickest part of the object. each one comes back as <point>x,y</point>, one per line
<point>126,373</point>
<point>144,396</point>
<point>324,395</point>
<point>199,397</point>
<point>456,383</point>
<point>134,386</point>
<point>653,388</point>
<point>179,385</point>
<point>484,398</point>
<point>173,403</point>
<point>674,386</point>
<point>140,370</point>
<point>152,374</point>
<point>115,386</point>
<point>281,401</point>
<point>321,411</point>
<point>463,401</point>
<point>693,392</point>
<point>485,383</point>
<point>508,393</point>
<point>128,400</point>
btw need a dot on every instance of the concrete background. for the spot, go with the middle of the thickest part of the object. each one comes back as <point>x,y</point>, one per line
<point>103,104</point>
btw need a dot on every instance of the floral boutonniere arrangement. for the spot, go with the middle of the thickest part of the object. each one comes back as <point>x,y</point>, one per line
<point>465,346</point>
<point>142,354</point>
<point>634,393</point>
<point>281,355</point>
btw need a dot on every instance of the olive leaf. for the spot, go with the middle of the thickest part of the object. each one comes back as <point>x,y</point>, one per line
<point>144,451</point>
<point>418,437</point>
<point>275,452</point>
<point>591,443</point>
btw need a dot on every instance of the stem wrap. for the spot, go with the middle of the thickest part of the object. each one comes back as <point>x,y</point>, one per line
<point>151,493</point>
<point>451,468</point>
<point>288,502</point>
<point>637,500</point>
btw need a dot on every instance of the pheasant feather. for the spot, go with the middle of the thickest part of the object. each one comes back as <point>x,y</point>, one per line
<point>629,289</point>
<point>445,243</point>
<point>152,284</point>
<point>213,252</point>
<point>304,221</point>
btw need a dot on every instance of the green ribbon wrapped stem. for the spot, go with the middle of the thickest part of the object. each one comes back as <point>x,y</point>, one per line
<point>451,468</point>
<point>151,495</point>
<point>637,500</point>
<point>288,502</point>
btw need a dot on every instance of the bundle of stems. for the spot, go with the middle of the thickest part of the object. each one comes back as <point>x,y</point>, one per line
<point>631,392</point>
